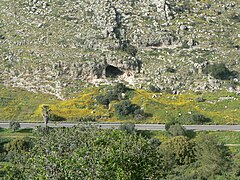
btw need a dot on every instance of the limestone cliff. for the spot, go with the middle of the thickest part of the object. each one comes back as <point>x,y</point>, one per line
<point>59,46</point>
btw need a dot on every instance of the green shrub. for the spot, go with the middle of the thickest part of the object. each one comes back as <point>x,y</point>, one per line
<point>125,108</point>
<point>169,124</point>
<point>219,71</point>
<point>54,117</point>
<point>128,48</point>
<point>199,119</point>
<point>177,130</point>
<point>129,128</point>
<point>114,93</point>
<point>103,99</point>
<point>14,125</point>
<point>18,145</point>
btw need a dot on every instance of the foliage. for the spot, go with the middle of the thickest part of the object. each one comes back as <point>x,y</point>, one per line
<point>103,99</point>
<point>125,108</point>
<point>128,48</point>
<point>212,156</point>
<point>89,153</point>
<point>18,145</point>
<point>199,119</point>
<point>176,130</point>
<point>178,151</point>
<point>54,117</point>
<point>130,128</point>
<point>194,118</point>
<point>114,93</point>
<point>219,71</point>
<point>170,123</point>
<point>14,125</point>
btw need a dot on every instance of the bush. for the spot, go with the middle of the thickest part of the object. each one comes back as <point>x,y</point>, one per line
<point>177,130</point>
<point>128,48</point>
<point>102,99</point>
<point>219,71</point>
<point>139,114</point>
<point>199,119</point>
<point>139,117</point>
<point>54,117</point>
<point>155,141</point>
<point>88,119</point>
<point>125,108</point>
<point>115,93</point>
<point>129,128</point>
<point>18,145</point>
<point>14,125</point>
<point>120,88</point>
<point>169,124</point>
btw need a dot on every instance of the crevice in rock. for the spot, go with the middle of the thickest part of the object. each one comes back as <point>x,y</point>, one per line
<point>113,72</point>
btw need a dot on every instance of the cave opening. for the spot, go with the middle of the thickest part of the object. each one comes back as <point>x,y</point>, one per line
<point>113,72</point>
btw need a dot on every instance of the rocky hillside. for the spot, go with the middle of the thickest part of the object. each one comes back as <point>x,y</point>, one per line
<point>61,46</point>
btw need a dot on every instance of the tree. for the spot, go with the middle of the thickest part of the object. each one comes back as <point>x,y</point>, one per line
<point>102,99</point>
<point>125,108</point>
<point>18,145</point>
<point>170,123</point>
<point>178,151</point>
<point>46,114</point>
<point>115,93</point>
<point>177,130</point>
<point>89,153</point>
<point>130,128</point>
<point>14,125</point>
<point>212,156</point>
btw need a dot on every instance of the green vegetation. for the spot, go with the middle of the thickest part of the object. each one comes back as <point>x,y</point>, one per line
<point>20,105</point>
<point>14,125</point>
<point>176,130</point>
<point>220,107</point>
<point>121,153</point>
<point>125,154</point>
<point>220,71</point>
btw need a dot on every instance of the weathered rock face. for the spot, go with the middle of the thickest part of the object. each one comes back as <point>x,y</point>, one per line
<point>52,46</point>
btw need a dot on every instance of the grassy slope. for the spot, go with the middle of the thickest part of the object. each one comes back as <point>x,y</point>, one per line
<point>163,107</point>
<point>20,105</point>
<point>17,104</point>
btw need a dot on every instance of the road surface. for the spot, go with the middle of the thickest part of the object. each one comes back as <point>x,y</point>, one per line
<point>137,126</point>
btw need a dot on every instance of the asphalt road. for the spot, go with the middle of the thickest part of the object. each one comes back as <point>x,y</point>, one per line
<point>137,126</point>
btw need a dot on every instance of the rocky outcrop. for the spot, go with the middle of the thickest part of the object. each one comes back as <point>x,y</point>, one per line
<point>51,46</point>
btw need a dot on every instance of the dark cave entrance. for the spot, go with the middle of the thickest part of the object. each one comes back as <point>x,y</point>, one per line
<point>113,72</point>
